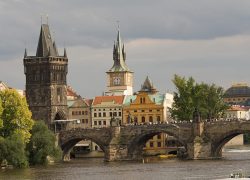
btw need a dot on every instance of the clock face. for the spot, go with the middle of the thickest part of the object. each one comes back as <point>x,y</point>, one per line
<point>117,81</point>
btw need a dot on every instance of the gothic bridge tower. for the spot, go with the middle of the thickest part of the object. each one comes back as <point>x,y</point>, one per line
<point>46,75</point>
<point>120,78</point>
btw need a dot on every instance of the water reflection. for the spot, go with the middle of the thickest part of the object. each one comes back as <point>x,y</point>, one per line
<point>152,168</point>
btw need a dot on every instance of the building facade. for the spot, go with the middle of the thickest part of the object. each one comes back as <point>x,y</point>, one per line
<point>147,107</point>
<point>104,108</point>
<point>46,80</point>
<point>119,77</point>
<point>237,94</point>
<point>79,110</point>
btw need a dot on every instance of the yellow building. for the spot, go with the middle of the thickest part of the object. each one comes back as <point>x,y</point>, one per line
<point>147,107</point>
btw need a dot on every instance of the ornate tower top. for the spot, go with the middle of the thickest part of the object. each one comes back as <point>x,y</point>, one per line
<point>46,47</point>
<point>119,56</point>
<point>148,86</point>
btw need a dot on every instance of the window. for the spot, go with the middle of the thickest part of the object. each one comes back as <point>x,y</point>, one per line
<point>135,110</point>
<point>142,110</point>
<point>151,144</point>
<point>59,93</point>
<point>110,114</point>
<point>150,110</point>
<point>95,123</point>
<point>95,114</point>
<point>87,121</point>
<point>143,119</point>
<point>158,136</point>
<point>86,112</point>
<point>104,114</point>
<point>73,112</point>
<point>158,118</point>
<point>150,119</point>
<point>120,113</point>
<point>99,114</point>
<point>115,114</point>
<point>158,144</point>
<point>99,122</point>
<point>135,120</point>
<point>104,123</point>
<point>82,112</point>
<point>83,121</point>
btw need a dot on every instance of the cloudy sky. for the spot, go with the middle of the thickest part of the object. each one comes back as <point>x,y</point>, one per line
<point>206,39</point>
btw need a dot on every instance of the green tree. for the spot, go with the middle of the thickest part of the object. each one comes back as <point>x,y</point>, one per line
<point>1,112</point>
<point>16,154</point>
<point>15,126</point>
<point>207,99</point>
<point>15,116</point>
<point>42,144</point>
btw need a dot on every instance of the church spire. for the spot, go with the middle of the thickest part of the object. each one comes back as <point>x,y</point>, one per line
<point>119,55</point>
<point>45,43</point>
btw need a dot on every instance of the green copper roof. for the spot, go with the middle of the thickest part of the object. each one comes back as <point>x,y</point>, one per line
<point>157,98</point>
<point>128,99</point>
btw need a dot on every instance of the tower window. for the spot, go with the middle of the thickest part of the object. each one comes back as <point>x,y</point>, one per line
<point>59,95</point>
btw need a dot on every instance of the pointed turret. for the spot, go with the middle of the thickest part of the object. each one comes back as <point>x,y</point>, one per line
<point>45,43</point>
<point>25,53</point>
<point>65,53</point>
<point>148,86</point>
<point>119,56</point>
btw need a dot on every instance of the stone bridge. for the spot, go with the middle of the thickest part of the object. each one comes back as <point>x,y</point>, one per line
<point>200,140</point>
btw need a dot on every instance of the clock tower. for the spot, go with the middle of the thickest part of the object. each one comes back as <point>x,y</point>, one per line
<point>119,77</point>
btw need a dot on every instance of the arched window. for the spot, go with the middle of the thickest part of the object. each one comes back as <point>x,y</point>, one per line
<point>143,119</point>
<point>151,119</point>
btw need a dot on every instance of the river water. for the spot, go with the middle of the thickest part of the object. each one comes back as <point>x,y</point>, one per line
<point>235,160</point>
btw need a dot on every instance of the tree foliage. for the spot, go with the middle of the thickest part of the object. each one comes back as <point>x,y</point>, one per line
<point>207,99</point>
<point>16,154</point>
<point>15,116</point>
<point>42,144</point>
<point>15,126</point>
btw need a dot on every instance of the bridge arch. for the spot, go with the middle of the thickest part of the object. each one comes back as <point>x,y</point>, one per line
<point>68,139</point>
<point>218,144</point>
<point>135,146</point>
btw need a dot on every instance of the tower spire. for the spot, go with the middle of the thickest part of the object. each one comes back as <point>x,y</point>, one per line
<point>65,53</point>
<point>25,53</point>
<point>119,54</point>
<point>45,43</point>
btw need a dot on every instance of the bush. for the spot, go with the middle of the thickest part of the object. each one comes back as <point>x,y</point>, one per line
<point>42,145</point>
<point>15,151</point>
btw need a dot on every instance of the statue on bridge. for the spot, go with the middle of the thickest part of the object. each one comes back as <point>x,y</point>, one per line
<point>196,115</point>
<point>115,122</point>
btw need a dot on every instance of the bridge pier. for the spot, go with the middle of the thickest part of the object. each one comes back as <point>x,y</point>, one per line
<point>199,149</point>
<point>66,157</point>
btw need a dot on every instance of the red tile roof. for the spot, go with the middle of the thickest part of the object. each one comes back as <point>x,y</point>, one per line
<point>238,108</point>
<point>71,92</point>
<point>100,99</point>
